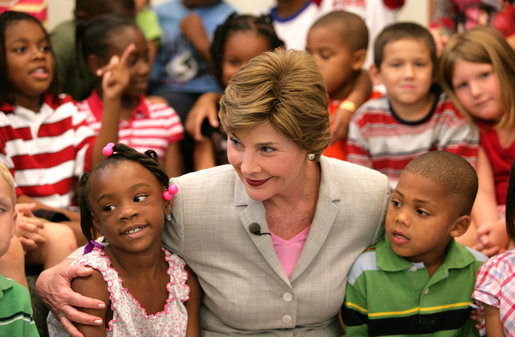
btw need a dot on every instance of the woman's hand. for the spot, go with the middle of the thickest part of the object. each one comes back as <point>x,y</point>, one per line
<point>53,288</point>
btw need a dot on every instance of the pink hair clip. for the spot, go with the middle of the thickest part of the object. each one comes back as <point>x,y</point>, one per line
<point>168,194</point>
<point>108,149</point>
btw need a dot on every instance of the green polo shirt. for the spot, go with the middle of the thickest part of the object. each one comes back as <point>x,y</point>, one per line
<point>388,295</point>
<point>15,310</point>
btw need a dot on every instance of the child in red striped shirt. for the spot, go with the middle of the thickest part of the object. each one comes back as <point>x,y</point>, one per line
<point>44,142</point>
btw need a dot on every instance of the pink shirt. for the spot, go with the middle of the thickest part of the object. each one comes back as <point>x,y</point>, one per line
<point>495,285</point>
<point>288,251</point>
<point>152,125</point>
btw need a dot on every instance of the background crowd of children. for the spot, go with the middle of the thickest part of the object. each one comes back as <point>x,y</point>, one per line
<point>124,71</point>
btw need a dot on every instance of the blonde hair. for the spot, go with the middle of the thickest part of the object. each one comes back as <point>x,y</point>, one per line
<point>481,45</point>
<point>8,178</point>
<point>284,88</point>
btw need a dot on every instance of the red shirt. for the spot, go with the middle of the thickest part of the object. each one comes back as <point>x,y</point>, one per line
<point>500,159</point>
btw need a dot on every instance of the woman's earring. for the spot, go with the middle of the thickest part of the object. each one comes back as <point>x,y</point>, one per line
<point>311,156</point>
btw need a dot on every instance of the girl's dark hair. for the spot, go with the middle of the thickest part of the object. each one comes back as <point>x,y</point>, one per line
<point>94,37</point>
<point>7,18</point>
<point>510,205</point>
<point>261,25</point>
<point>121,152</point>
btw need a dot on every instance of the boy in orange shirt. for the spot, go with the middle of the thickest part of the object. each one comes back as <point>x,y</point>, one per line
<point>338,41</point>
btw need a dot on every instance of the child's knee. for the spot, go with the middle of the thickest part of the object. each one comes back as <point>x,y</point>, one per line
<point>15,254</point>
<point>58,235</point>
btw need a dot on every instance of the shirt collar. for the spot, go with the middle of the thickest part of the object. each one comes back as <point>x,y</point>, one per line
<point>5,284</point>
<point>48,99</point>
<point>457,257</point>
<point>97,106</point>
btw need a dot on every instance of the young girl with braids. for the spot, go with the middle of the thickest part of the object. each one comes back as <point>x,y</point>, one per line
<point>236,41</point>
<point>125,200</point>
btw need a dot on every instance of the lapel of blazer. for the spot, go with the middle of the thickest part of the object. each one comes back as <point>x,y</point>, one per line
<point>325,215</point>
<point>254,211</point>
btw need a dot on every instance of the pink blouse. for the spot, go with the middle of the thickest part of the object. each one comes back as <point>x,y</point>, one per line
<point>288,251</point>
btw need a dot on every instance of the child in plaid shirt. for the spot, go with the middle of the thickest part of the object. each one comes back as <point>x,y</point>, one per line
<point>495,281</point>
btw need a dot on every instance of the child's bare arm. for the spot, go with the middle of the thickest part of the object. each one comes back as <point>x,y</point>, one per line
<point>341,117</point>
<point>115,77</point>
<point>173,163</point>
<point>493,322</point>
<point>194,31</point>
<point>491,237</point>
<point>93,286</point>
<point>193,305</point>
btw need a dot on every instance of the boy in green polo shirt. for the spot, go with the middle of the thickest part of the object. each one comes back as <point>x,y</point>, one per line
<point>419,280</point>
<point>15,309</point>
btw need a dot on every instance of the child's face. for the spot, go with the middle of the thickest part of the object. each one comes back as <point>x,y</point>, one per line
<point>7,216</point>
<point>335,61</point>
<point>30,64</point>
<point>420,219</point>
<point>478,89</point>
<point>127,206</point>
<point>406,71</point>
<point>239,48</point>
<point>138,59</point>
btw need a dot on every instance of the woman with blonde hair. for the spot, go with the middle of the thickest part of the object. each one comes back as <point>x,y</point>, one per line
<point>271,236</point>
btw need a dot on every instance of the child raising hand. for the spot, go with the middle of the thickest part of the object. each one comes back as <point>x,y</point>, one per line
<point>125,199</point>
<point>117,52</point>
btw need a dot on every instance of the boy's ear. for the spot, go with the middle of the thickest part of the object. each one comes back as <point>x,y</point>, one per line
<point>460,226</point>
<point>94,63</point>
<point>373,71</point>
<point>358,59</point>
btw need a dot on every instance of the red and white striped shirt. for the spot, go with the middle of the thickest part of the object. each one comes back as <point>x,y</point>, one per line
<point>380,139</point>
<point>152,125</point>
<point>46,150</point>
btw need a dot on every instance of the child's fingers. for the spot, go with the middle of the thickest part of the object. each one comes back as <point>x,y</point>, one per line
<point>124,60</point>
<point>483,230</point>
<point>113,63</point>
<point>491,251</point>
<point>27,244</point>
<point>25,208</point>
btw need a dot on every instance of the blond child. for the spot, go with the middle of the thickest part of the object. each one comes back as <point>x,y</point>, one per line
<point>15,308</point>
<point>477,70</point>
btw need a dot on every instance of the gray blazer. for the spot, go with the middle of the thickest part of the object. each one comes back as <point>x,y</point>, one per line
<point>246,291</point>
